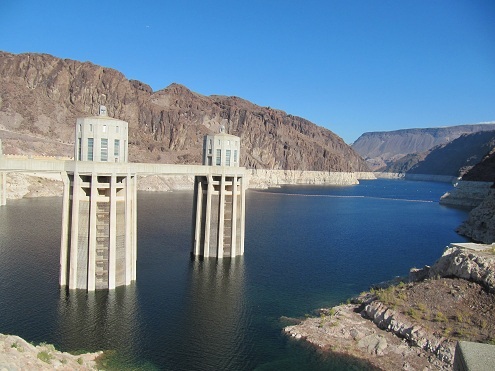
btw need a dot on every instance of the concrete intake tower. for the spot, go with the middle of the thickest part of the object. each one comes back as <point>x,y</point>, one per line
<point>98,244</point>
<point>220,199</point>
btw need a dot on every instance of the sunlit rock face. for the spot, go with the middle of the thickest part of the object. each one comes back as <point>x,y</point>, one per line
<point>43,95</point>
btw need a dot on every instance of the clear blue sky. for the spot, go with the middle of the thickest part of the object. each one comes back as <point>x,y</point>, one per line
<point>350,66</point>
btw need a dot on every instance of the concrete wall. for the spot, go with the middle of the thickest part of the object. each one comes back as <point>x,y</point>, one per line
<point>219,216</point>
<point>98,244</point>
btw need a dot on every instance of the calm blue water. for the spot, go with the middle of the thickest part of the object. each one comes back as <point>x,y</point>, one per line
<point>306,247</point>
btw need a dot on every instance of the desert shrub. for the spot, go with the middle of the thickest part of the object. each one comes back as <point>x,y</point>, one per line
<point>459,317</point>
<point>17,346</point>
<point>421,307</point>
<point>440,317</point>
<point>45,356</point>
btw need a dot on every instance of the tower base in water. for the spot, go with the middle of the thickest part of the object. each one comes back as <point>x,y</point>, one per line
<point>98,245</point>
<point>219,214</point>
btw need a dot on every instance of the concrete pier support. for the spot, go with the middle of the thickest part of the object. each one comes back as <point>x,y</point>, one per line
<point>3,182</point>
<point>219,215</point>
<point>3,188</point>
<point>98,244</point>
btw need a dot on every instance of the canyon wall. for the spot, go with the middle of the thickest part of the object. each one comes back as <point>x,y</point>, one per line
<point>41,96</point>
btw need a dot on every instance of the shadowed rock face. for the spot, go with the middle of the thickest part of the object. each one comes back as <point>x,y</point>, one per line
<point>41,96</point>
<point>454,158</point>
<point>483,171</point>
<point>480,225</point>
<point>383,148</point>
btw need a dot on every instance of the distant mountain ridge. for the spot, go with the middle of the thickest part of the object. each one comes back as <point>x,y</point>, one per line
<point>452,159</point>
<point>382,148</point>
<point>41,96</point>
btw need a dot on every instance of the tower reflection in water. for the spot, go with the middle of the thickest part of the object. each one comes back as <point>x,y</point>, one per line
<point>216,316</point>
<point>101,320</point>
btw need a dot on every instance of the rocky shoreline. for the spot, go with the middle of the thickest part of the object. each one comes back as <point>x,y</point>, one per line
<point>480,225</point>
<point>261,178</point>
<point>18,354</point>
<point>416,177</point>
<point>414,325</point>
<point>21,185</point>
<point>466,194</point>
<point>479,197</point>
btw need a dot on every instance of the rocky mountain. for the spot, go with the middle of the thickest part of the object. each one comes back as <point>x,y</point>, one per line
<point>41,96</point>
<point>454,158</point>
<point>484,171</point>
<point>480,225</point>
<point>382,148</point>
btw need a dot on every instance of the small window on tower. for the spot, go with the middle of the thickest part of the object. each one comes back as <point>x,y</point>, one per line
<point>90,149</point>
<point>227,157</point>
<point>104,149</point>
<point>218,159</point>
<point>116,148</point>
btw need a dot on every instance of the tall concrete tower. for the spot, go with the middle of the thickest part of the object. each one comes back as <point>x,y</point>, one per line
<point>98,244</point>
<point>3,182</point>
<point>220,199</point>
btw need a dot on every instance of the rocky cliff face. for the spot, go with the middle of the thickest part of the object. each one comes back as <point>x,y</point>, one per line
<point>466,194</point>
<point>456,157</point>
<point>381,148</point>
<point>476,190</point>
<point>484,171</point>
<point>468,264</point>
<point>480,225</point>
<point>41,96</point>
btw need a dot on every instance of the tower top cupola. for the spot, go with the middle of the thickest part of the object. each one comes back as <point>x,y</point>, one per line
<point>103,111</point>
<point>221,149</point>
<point>101,138</point>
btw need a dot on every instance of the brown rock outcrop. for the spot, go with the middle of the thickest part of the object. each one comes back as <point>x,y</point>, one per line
<point>41,96</point>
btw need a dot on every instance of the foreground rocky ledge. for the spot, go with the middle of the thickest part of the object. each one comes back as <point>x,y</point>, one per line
<point>413,326</point>
<point>17,354</point>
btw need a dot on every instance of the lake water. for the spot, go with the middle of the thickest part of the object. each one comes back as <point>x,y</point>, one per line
<point>305,248</point>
